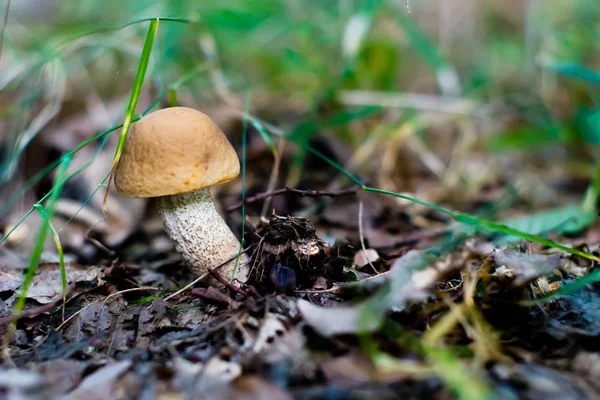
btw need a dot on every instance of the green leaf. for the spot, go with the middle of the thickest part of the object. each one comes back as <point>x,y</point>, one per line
<point>574,71</point>
<point>137,88</point>
<point>526,138</point>
<point>264,135</point>
<point>588,122</point>
<point>568,219</point>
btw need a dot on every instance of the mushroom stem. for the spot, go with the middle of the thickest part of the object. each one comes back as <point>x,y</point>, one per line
<point>200,234</point>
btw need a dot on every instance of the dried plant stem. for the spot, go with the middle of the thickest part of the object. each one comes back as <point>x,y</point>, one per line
<point>300,192</point>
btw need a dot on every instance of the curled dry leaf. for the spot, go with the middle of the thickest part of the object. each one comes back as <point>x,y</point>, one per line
<point>526,267</point>
<point>364,257</point>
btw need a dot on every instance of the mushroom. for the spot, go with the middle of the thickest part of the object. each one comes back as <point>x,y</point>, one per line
<point>176,154</point>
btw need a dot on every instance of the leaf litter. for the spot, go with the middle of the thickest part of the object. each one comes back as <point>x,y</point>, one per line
<point>119,334</point>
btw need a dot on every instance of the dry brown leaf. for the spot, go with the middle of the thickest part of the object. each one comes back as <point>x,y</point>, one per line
<point>46,286</point>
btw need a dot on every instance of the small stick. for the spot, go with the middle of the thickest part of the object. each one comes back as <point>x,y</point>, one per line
<point>213,295</point>
<point>300,192</point>
<point>224,281</point>
<point>201,277</point>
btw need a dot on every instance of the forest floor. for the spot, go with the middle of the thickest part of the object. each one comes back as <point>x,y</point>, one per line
<point>418,202</point>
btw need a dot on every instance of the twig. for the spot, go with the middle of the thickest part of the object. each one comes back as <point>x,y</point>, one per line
<point>110,296</point>
<point>300,192</point>
<point>203,276</point>
<point>224,281</point>
<point>213,294</point>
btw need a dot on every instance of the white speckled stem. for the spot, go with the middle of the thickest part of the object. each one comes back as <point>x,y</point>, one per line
<point>200,234</point>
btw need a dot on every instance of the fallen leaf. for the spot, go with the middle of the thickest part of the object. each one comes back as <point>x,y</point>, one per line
<point>46,286</point>
<point>151,318</point>
<point>364,257</point>
<point>10,279</point>
<point>101,384</point>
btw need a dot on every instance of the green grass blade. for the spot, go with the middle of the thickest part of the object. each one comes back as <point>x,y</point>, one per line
<point>575,71</point>
<point>43,230</point>
<point>137,88</point>
<point>457,375</point>
<point>172,97</point>
<point>356,31</point>
<point>568,219</point>
<point>338,167</point>
<point>86,201</point>
<point>412,199</point>
<point>61,255</point>
<point>590,200</point>
<point>263,134</point>
<point>496,227</point>
<point>50,54</point>
<point>54,188</point>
